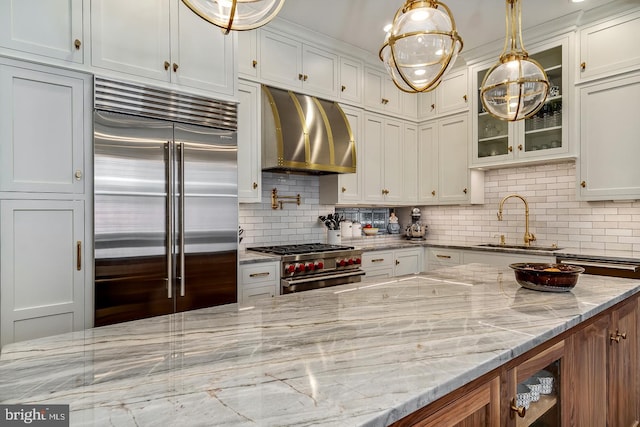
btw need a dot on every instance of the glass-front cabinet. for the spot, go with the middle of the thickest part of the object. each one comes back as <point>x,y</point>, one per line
<point>542,136</point>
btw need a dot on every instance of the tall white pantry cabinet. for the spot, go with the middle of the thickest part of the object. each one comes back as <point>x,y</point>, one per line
<point>45,186</point>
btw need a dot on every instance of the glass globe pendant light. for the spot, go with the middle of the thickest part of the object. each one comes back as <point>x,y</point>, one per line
<point>421,46</point>
<point>516,87</point>
<point>238,15</point>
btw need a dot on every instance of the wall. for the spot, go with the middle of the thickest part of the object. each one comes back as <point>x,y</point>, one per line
<point>265,226</point>
<point>555,214</point>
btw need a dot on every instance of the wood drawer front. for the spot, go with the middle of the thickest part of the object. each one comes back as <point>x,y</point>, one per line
<point>446,256</point>
<point>377,259</point>
<point>260,273</point>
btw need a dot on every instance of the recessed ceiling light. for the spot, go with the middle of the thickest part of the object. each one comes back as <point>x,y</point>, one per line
<point>576,1</point>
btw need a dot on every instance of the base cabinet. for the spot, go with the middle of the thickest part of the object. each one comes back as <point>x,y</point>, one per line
<point>392,263</point>
<point>257,281</point>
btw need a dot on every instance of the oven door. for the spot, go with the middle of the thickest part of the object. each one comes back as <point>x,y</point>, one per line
<point>317,281</point>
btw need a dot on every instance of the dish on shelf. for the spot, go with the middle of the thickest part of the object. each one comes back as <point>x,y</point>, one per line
<point>534,385</point>
<point>546,381</point>
<point>370,231</point>
<point>523,396</point>
<point>546,277</point>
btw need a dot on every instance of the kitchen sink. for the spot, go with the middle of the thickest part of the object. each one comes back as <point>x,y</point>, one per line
<point>530,248</point>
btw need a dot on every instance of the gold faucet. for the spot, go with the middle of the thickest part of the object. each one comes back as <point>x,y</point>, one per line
<point>528,237</point>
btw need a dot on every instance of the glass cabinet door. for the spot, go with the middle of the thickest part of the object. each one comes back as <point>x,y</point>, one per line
<point>493,134</point>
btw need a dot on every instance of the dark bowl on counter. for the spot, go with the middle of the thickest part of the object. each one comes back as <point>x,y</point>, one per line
<point>546,277</point>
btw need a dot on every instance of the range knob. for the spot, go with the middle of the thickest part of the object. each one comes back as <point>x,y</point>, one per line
<point>358,261</point>
<point>309,267</point>
<point>299,268</point>
<point>350,261</point>
<point>319,265</point>
<point>290,268</point>
<point>342,263</point>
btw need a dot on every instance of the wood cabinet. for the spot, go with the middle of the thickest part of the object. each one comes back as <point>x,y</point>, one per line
<point>445,177</point>
<point>392,263</point>
<point>544,136</point>
<point>609,47</point>
<point>605,372</point>
<point>451,96</point>
<point>162,41</point>
<point>45,193</point>
<point>607,167</point>
<point>249,143</point>
<point>54,30</point>
<point>296,65</point>
<point>257,281</point>
<point>339,189</point>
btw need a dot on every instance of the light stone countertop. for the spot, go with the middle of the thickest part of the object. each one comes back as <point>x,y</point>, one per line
<point>364,354</point>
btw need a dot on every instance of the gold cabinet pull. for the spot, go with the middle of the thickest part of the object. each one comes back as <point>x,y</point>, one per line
<point>519,147</point>
<point>343,189</point>
<point>254,63</point>
<point>77,43</point>
<point>464,191</point>
<point>520,410</point>
<point>255,185</point>
<point>397,262</point>
<point>299,76</point>
<point>433,107</point>
<point>443,256</point>
<point>464,97</point>
<point>265,274</point>
<point>343,88</point>
<point>304,78</point>
<point>78,255</point>
<point>583,66</point>
<point>166,65</point>
<point>583,184</point>
<point>433,193</point>
<point>377,260</point>
<point>510,148</point>
<point>175,67</point>
<point>618,336</point>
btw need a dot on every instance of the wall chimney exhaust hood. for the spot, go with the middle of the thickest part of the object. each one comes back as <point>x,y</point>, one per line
<point>305,135</point>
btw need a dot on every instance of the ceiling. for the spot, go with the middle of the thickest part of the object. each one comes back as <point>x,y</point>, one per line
<point>360,22</point>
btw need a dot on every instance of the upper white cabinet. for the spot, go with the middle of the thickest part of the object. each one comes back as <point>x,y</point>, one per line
<point>346,188</point>
<point>609,151</point>
<point>380,93</point>
<point>162,40</point>
<point>247,54</point>
<point>51,28</point>
<point>287,61</point>
<point>351,80</point>
<point>249,143</point>
<point>543,137</point>
<point>609,47</point>
<point>42,129</point>
<point>451,96</point>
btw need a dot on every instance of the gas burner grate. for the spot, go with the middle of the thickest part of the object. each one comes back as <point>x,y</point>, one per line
<point>303,248</point>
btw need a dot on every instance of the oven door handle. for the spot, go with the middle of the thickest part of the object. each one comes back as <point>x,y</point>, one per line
<point>614,266</point>
<point>307,279</point>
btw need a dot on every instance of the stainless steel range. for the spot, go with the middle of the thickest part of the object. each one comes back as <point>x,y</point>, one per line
<point>315,265</point>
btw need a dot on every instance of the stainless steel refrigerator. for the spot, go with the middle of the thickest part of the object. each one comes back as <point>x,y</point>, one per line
<point>166,212</point>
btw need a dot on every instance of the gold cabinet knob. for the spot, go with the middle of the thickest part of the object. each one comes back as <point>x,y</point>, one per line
<point>299,76</point>
<point>255,185</point>
<point>510,148</point>
<point>175,67</point>
<point>464,97</point>
<point>304,78</point>
<point>464,191</point>
<point>254,63</point>
<point>343,189</point>
<point>397,262</point>
<point>433,193</point>
<point>583,66</point>
<point>77,43</point>
<point>617,336</point>
<point>166,65</point>
<point>520,147</point>
<point>343,88</point>
<point>521,411</point>
<point>583,184</point>
<point>433,107</point>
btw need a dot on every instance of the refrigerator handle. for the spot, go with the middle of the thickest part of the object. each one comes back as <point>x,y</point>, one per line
<point>182,277</point>
<point>169,171</point>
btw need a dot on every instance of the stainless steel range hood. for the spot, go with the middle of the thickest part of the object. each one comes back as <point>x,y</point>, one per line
<point>305,134</point>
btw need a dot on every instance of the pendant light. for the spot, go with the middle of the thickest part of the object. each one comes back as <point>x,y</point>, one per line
<point>516,87</point>
<point>421,46</point>
<point>238,15</point>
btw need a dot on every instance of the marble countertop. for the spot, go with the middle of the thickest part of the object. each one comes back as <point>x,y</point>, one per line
<point>363,354</point>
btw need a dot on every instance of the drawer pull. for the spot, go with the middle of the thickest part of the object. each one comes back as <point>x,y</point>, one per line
<point>521,411</point>
<point>79,255</point>
<point>377,260</point>
<point>443,256</point>
<point>265,274</point>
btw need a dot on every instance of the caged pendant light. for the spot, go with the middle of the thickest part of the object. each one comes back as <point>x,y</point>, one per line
<point>238,15</point>
<point>421,46</point>
<point>516,87</point>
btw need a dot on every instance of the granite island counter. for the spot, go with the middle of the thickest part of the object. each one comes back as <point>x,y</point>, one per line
<point>364,354</point>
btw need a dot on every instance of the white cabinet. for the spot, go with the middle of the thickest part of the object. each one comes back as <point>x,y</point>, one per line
<point>447,257</point>
<point>351,80</point>
<point>247,54</point>
<point>285,61</point>
<point>42,129</point>
<point>257,281</point>
<point>45,182</point>
<point>391,263</point>
<point>609,47</point>
<point>438,258</point>
<point>162,40</point>
<point>451,96</point>
<point>544,136</point>
<point>445,177</point>
<point>383,160</point>
<point>380,93</point>
<point>249,143</point>
<point>41,268</point>
<point>346,188</point>
<point>410,164</point>
<point>51,28</point>
<point>609,151</point>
